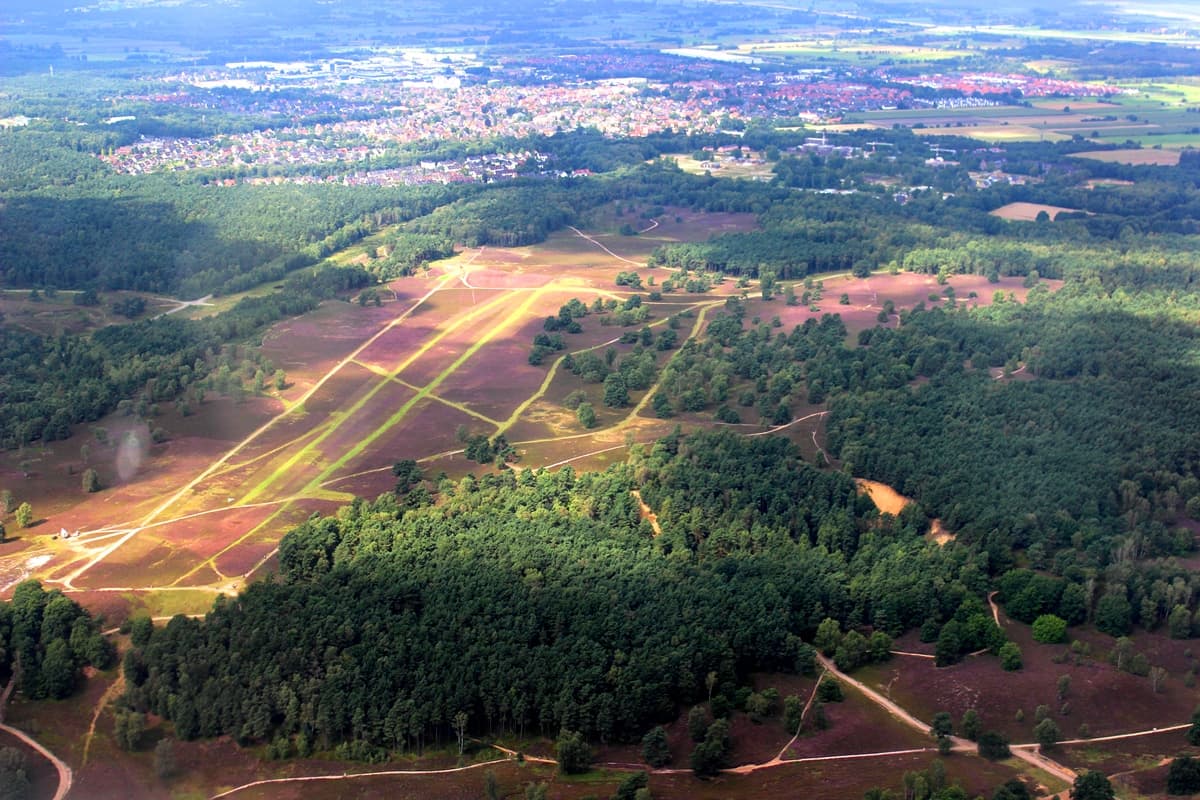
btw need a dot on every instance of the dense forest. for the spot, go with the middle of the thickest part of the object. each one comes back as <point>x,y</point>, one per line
<point>50,384</point>
<point>535,601</point>
<point>45,641</point>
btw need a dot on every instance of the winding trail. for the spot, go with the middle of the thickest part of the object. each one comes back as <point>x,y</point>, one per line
<point>991,598</point>
<point>109,695</point>
<point>875,697</point>
<point>786,425</point>
<point>65,776</point>
<point>605,249</point>
<point>812,698</point>
<point>351,776</point>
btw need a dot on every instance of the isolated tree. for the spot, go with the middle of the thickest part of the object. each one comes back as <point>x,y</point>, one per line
<point>407,473</point>
<point>7,503</point>
<point>586,415</point>
<point>3,532</point>
<point>949,645</point>
<point>616,393</point>
<point>993,745</point>
<point>1193,733</point>
<point>767,283</point>
<point>655,750</point>
<point>830,691</point>
<point>164,759</point>
<point>91,481</point>
<point>24,515</point>
<point>1010,657</point>
<point>1092,785</point>
<point>662,406</point>
<point>1047,733</point>
<point>1064,687</point>
<point>880,646</point>
<point>1158,676</point>
<point>1122,654</point>
<point>942,725</point>
<point>820,721</point>
<point>970,725</point>
<point>574,755</point>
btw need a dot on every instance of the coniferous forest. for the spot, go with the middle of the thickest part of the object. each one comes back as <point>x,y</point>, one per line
<point>536,601</point>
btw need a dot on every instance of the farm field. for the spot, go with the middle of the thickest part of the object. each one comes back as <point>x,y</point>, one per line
<point>1137,157</point>
<point>1143,119</point>
<point>1028,212</point>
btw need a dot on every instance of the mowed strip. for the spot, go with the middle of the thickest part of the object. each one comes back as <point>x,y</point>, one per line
<point>512,319</point>
<point>312,448</point>
<point>187,488</point>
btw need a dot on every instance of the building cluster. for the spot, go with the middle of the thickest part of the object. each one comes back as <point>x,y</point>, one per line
<point>427,114</point>
<point>347,112</point>
<point>473,169</point>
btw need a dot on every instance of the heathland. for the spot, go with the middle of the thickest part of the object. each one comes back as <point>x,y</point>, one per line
<point>659,447</point>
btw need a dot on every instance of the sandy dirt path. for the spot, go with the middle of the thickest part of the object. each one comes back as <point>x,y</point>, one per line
<point>186,488</point>
<point>605,249</point>
<point>65,777</point>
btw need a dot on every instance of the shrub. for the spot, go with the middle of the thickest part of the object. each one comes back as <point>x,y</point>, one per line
<point>1010,657</point>
<point>1050,629</point>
